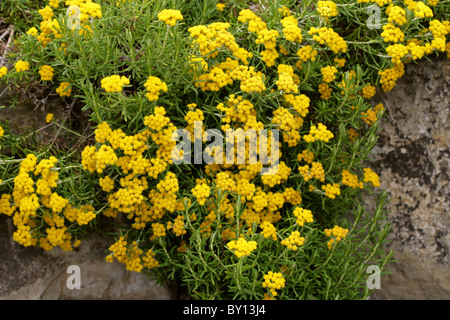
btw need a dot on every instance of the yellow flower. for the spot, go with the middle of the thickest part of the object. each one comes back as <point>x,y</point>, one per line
<point>242,247</point>
<point>328,73</point>
<point>307,53</point>
<point>327,36</point>
<point>327,9</point>
<point>114,83</point>
<point>21,66</point>
<point>3,71</point>
<point>154,86</point>
<point>220,6</point>
<point>303,215</point>
<point>46,13</point>
<point>274,281</point>
<point>269,230</point>
<point>46,73</point>
<point>32,31</point>
<point>331,190</point>
<point>201,192</point>
<point>49,117</point>
<point>337,232</point>
<point>351,180</point>
<point>371,176</point>
<point>319,132</point>
<point>170,17</point>
<point>293,241</point>
<point>369,91</point>
<point>64,89</point>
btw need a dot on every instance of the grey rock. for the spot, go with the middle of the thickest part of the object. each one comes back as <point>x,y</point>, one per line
<point>412,158</point>
<point>33,274</point>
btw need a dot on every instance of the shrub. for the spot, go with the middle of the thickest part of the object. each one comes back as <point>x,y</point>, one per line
<point>143,70</point>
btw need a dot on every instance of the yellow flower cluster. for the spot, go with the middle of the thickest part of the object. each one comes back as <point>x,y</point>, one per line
<point>396,52</point>
<point>149,260</point>
<point>191,117</point>
<point>49,117</point>
<point>85,216</point>
<point>319,132</point>
<point>170,16</point>
<point>307,53</point>
<point>29,196</point>
<point>291,31</point>
<point>239,110</point>
<point>265,36</point>
<point>371,115</point>
<point>314,172</point>
<point>46,73</point>
<point>274,281</point>
<point>242,247</point>
<point>289,123</point>
<point>327,9</point>
<point>268,230</point>
<point>49,28</point>
<point>328,73</point>
<point>154,86</point>
<point>325,91</point>
<point>439,31</point>
<point>300,103</point>
<point>293,241</point>
<point>129,197</point>
<point>254,83</point>
<point>89,9</point>
<point>3,71</point>
<point>369,91</point>
<point>220,6</point>
<point>371,177</point>
<point>391,33</point>
<point>21,65</point>
<point>396,14</point>
<point>159,230</point>
<point>32,31</point>
<point>114,83</point>
<point>337,232</point>
<point>331,190</point>
<point>327,36</point>
<point>214,80</point>
<point>106,183</point>
<point>285,80</point>
<point>352,134</point>
<point>351,180</point>
<point>46,13</point>
<point>306,155</point>
<point>64,89</point>
<point>130,255</point>
<point>279,175</point>
<point>420,9</point>
<point>245,188</point>
<point>303,215</point>
<point>54,3</point>
<point>178,226</point>
<point>157,121</point>
<point>201,192</point>
<point>390,76</point>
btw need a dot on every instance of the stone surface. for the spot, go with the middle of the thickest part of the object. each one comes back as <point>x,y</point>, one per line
<point>412,158</point>
<point>33,274</point>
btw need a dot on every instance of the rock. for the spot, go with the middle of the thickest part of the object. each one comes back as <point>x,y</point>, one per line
<point>412,158</point>
<point>32,273</point>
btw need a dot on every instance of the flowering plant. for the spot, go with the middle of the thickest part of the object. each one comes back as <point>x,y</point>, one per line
<point>145,72</point>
